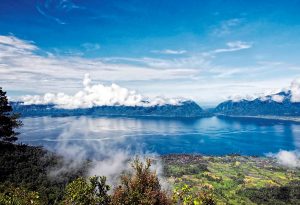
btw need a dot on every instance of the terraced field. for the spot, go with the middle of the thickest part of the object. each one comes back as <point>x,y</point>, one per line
<point>236,179</point>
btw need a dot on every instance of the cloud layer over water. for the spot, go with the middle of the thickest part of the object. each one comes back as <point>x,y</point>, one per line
<point>107,144</point>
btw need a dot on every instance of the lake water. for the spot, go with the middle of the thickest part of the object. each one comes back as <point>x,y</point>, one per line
<point>210,136</point>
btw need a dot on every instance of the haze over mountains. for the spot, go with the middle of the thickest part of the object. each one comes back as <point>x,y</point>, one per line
<point>93,95</point>
<point>284,103</point>
<point>101,100</point>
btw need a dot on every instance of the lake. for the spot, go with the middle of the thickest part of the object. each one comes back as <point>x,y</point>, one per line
<point>209,136</point>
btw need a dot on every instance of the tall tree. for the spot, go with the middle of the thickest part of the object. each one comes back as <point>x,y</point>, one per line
<point>8,120</point>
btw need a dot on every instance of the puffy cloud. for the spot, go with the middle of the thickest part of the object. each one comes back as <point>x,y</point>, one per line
<point>287,158</point>
<point>263,98</point>
<point>292,92</point>
<point>278,98</point>
<point>97,95</point>
<point>295,91</point>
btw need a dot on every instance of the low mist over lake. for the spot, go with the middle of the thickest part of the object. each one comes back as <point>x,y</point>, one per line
<point>209,136</point>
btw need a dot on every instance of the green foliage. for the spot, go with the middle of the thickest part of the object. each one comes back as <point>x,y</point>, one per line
<point>179,165</point>
<point>19,196</point>
<point>236,179</point>
<point>92,192</point>
<point>29,167</point>
<point>179,170</point>
<point>288,194</point>
<point>140,187</point>
<point>187,196</point>
<point>8,120</point>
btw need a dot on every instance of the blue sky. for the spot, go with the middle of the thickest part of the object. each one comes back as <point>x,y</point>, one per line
<point>204,50</point>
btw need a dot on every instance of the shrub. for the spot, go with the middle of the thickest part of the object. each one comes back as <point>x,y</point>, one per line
<point>140,187</point>
<point>92,192</point>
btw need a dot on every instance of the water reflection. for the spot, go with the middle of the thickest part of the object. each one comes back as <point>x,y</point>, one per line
<point>214,136</point>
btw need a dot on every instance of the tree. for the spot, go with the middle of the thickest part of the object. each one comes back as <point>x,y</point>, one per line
<point>19,196</point>
<point>8,120</point>
<point>140,187</point>
<point>92,192</point>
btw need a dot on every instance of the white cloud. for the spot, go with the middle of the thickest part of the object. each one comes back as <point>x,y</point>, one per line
<point>287,158</point>
<point>295,90</point>
<point>292,92</point>
<point>23,66</point>
<point>97,95</point>
<point>234,46</point>
<point>278,98</point>
<point>13,43</point>
<point>169,51</point>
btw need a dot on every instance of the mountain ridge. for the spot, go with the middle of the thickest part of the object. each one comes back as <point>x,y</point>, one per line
<point>186,109</point>
<point>279,104</point>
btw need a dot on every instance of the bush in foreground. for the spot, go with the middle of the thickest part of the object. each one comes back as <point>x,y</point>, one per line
<point>92,192</point>
<point>140,187</point>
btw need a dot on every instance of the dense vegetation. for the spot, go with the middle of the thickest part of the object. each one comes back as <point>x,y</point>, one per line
<point>236,179</point>
<point>28,167</point>
<point>196,179</point>
<point>25,180</point>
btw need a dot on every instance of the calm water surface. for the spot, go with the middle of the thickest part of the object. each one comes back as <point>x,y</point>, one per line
<point>211,136</point>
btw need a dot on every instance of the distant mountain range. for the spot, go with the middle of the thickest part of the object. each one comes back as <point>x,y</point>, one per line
<point>186,109</point>
<point>280,104</point>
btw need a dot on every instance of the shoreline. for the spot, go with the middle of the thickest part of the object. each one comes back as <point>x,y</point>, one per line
<point>264,117</point>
